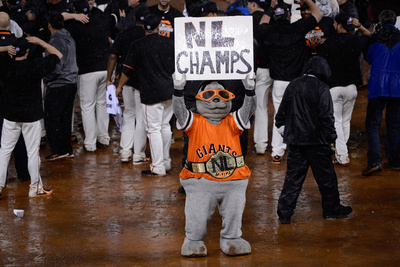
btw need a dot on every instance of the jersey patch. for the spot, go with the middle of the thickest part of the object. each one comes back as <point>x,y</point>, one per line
<point>165,28</point>
<point>313,37</point>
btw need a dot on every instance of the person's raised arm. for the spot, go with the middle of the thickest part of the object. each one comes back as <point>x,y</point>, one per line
<point>268,13</point>
<point>4,48</point>
<point>78,17</point>
<point>314,9</point>
<point>364,31</point>
<point>49,48</point>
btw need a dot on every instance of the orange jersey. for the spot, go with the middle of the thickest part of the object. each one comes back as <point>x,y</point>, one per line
<point>216,147</point>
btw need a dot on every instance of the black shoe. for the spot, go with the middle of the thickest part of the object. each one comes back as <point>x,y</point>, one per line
<point>23,178</point>
<point>343,212</point>
<point>149,172</point>
<point>181,190</point>
<point>285,220</point>
<point>372,169</point>
<point>54,157</point>
<point>388,165</point>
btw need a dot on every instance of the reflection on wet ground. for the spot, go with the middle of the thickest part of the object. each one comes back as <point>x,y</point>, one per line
<point>105,213</point>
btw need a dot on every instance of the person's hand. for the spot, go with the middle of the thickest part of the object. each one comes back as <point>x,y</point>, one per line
<point>356,23</point>
<point>81,18</point>
<point>118,92</point>
<point>321,41</point>
<point>179,80</point>
<point>30,15</point>
<point>281,130</point>
<point>109,83</point>
<point>122,13</point>
<point>250,81</point>
<point>11,51</point>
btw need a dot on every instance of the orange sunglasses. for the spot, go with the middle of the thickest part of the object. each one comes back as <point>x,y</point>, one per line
<point>209,94</point>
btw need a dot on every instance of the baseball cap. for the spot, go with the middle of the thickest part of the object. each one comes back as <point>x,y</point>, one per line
<point>14,2</point>
<point>81,6</point>
<point>21,45</point>
<point>141,12</point>
<point>346,21</point>
<point>303,6</point>
<point>211,7</point>
<point>261,3</point>
<point>281,11</point>
<point>151,22</point>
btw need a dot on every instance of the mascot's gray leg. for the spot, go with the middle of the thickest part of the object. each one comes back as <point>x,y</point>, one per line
<point>193,248</point>
<point>234,247</point>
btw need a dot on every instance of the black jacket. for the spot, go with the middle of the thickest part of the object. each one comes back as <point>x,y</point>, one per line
<point>121,47</point>
<point>306,109</point>
<point>167,19</point>
<point>6,38</point>
<point>342,51</point>
<point>153,59</point>
<point>287,46</point>
<point>22,98</point>
<point>92,43</point>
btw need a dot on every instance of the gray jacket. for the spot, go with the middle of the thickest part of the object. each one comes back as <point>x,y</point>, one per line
<point>66,71</point>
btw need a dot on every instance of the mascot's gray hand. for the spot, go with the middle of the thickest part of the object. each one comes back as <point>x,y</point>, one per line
<point>250,81</point>
<point>179,80</point>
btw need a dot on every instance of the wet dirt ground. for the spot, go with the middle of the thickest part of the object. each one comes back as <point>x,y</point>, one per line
<point>103,212</point>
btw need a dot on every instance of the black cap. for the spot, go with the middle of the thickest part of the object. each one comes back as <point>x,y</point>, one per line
<point>21,45</point>
<point>260,3</point>
<point>210,7</point>
<point>281,11</point>
<point>151,22</point>
<point>81,6</point>
<point>14,2</point>
<point>303,6</point>
<point>141,12</point>
<point>346,21</point>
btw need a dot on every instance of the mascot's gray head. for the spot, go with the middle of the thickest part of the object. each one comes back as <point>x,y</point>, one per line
<point>216,107</point>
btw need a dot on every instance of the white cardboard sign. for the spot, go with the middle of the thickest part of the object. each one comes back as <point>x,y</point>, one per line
<point>214,48</point>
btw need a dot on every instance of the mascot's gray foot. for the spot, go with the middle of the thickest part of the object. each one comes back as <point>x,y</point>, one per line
<point>234,247</point>
<point>193,248</point>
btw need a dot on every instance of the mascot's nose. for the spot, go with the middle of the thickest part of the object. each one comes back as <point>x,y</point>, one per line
<point>216,100</point>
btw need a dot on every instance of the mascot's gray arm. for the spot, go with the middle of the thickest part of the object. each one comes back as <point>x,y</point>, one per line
<point>180,111</point>
<point>249,104</point>
<point>178,102</point>
<point>248,108</point>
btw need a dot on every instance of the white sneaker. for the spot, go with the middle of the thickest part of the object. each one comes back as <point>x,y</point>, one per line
<point>125,156</point>
<point>140,161</point>
<point>168,167</point>
<point>260,149</point>
<point>90,148</point>
<point>104,140</point>
<point>343,160</point>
